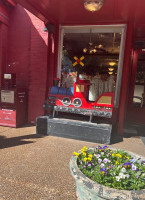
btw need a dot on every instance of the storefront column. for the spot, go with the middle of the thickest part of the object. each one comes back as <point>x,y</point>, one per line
<point>49,71</point>
<point>125,79</point>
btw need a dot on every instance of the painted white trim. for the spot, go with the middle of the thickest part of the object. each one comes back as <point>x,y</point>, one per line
<point>60,48</point>
<point>120,67</point>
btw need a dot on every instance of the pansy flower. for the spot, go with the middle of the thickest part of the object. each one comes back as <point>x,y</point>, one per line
<point>102,165</point>
<point>123,170</point>
<point>76,154</point>
<point>117,178</point>
<point>100,148</point>
<point>132,160</point>
<point>117,163</point>
<point>105,160</point>
<point>85,159</point>
<point>99,160</point>
<point>103,171</point>
<point>89,165</point>
<point>97,155</point>
<point>84,154</point>
<point>134,168</point>
<point>108,166</point>
<point>127,164</point>
<point>105,147</point>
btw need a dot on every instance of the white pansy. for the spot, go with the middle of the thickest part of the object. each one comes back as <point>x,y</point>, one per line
<point>123,170</point>
<point>121,175</point>
<point>99,160</point>
<point>134,167</point>
<point>102,165</point>
<point>105,160</point>
<point>127,175</point>
<point>117,178</point>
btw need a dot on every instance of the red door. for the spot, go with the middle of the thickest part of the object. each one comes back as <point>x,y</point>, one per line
<point>136,101</point>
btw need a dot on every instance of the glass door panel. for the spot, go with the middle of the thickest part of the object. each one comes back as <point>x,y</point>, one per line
<point>139,89</point>
<point>136,106</point>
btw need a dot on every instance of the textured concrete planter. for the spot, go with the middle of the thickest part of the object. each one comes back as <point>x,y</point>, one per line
<point>87,189</point>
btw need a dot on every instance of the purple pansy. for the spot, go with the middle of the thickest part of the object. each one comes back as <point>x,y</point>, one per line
<point>103,171</point>
<point>108,166</point>
<point>84,166</point>
<point>127,164</point>
<point>100,148</point>
<point>105,147</point>
<point>89,164</point>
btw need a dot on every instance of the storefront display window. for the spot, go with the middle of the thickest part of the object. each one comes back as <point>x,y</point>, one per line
<point>93,54</point>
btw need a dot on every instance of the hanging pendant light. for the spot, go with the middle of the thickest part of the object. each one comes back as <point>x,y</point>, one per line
<point>93,5</point>
<point>90,49</point>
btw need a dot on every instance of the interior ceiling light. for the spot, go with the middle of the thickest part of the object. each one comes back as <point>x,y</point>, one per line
<point>93,5</point>
<point>110,73</point>
<point>100,46</point>
<point>92,49</point>
<point>112,64</point>
<point>111,69</point>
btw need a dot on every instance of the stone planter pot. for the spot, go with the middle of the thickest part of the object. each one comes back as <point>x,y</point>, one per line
<point>87,189</point>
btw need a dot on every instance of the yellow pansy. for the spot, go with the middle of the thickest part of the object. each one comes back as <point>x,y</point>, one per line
<point>117,163</point>
<point>84,154</point>
<point>113,154</point>
<point>127,158</point>
<point>89,159</point>
<point>118,155</point>
<point>76,154</point>
<point>85,159</point>
<point>83,149</point>
<point>90,156</point>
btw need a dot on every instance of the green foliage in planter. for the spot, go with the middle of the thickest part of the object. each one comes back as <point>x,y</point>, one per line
<point>115,169</point>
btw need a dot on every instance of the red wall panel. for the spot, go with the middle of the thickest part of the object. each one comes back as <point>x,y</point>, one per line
<point>27,57</point>
<point>3,49</point>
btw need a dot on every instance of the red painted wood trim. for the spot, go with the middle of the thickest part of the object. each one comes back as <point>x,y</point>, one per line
<point>56,45</point>
<point>125,79</point>
<point>12,2</point>
<point>49,72</point>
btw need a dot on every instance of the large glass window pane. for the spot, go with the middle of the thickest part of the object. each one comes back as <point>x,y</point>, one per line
<point>91,55</point>
<point>139,89</point>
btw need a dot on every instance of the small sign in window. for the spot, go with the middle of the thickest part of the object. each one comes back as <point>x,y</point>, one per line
<point>80,88</point>
<point>105,100</point>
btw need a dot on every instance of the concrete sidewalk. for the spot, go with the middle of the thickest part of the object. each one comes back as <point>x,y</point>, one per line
<point>33,167</point>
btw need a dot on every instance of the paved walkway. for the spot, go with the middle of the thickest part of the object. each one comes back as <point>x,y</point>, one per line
<point>33,167</point>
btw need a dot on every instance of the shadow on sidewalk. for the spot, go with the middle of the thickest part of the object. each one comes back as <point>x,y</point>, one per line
<point>16,141</point>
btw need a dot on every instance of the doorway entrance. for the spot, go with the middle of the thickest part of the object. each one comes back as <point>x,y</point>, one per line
<point>93,53</point>
<point>136,103</point>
